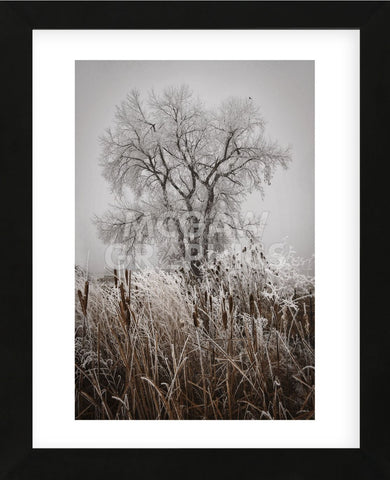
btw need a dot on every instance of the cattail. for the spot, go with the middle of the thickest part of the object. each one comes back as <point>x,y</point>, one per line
<point>122,290</point>
<point>86,291</point>
<point>81,299</point>
<point>284,318</point>
<point>230,303</point>
<point>311,306</point>
<point>224,318</point>
<point>206,323</point>
<point>254,334</point>
<point>195,316</point>
<point>259,307</point>
<point>116,277</point>
<point>98,350</point>
<point>306,319</point>
<point>125,314</point>
<point>129,280</point>
<point>251,305</point>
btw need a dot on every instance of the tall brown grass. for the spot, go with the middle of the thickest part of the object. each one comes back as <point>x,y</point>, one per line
<point>238,343</point>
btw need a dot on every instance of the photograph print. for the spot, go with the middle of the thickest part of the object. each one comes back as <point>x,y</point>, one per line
<point>194,248</point>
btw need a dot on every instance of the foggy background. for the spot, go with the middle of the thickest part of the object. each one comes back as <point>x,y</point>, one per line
<point>284,90</point>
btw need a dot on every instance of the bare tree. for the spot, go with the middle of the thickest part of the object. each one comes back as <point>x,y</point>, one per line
<point>181,171</point>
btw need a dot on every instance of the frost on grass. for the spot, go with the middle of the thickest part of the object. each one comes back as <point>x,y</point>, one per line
<point>235,343</point>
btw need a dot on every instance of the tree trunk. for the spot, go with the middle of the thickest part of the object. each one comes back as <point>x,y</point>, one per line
<point>207,221</point>
<point>180,239</point>
<point>195,247</point>
<point>205,238</point>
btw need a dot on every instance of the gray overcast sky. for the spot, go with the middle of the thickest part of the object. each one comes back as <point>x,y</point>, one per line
<point>283,89</point>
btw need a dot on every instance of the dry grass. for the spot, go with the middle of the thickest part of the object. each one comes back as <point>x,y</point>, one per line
<point>236,344</point>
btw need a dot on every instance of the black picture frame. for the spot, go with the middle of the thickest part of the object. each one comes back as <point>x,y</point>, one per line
<point>17,458</point>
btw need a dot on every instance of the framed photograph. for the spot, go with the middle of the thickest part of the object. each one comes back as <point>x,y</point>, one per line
<point>195,183</point>
<point>184,259</point>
